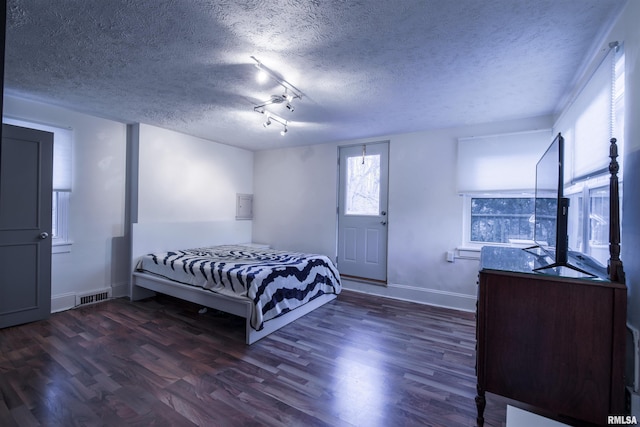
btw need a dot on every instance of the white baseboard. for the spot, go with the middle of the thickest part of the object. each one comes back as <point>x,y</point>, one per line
<point>63,302</point>
<point>434,297</point>
<point>69,300</point>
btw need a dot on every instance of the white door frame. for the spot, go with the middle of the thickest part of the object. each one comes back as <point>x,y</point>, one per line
<point>362,238</point>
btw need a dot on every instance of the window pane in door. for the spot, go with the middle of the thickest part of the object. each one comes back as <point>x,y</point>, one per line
<point>363,185</point>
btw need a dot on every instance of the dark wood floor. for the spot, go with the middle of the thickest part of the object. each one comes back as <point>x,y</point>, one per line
<point>357,361</point>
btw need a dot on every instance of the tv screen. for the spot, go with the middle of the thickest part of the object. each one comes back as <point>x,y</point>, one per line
<point>551,211</point>
<point>551,208</point>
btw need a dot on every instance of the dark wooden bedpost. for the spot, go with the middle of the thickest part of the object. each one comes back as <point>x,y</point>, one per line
<point>614,267</point>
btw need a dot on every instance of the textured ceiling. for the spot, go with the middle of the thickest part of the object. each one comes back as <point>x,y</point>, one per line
<point>365,67</point>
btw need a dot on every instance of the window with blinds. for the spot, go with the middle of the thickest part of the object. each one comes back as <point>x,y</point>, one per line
<point>500,163</point>
<point>593,118</point>
<point>496,175</point>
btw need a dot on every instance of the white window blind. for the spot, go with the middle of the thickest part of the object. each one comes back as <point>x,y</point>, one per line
<point>593,118</point>
<point>61,151</point>
<point>617,109</point>
<point>500,163</point>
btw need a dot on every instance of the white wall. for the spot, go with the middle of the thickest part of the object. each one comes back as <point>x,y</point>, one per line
<point>188,179</point>
<point>183,192</point>
<point>629,29</point>
<point>295,198</point>
<point>295,208</point>
<point>96,216</point>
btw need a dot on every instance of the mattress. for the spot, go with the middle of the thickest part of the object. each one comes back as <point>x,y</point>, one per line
<point>275,281</point>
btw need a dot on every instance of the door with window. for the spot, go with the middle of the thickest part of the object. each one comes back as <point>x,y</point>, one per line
<point>26,163</point>
<point>362,211</point>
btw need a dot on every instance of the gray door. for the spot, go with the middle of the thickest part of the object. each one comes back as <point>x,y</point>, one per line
<point>362,211</point>
<point>26,173</point>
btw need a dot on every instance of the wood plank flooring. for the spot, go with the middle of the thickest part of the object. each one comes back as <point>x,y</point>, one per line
<point>357,361</point>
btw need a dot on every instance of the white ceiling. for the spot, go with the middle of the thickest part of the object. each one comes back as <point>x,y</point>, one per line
<point>365,67</point>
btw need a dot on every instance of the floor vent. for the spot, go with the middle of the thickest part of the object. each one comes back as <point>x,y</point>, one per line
<point>93,297</point>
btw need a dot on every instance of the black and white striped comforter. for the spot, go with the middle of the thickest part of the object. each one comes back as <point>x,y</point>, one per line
<point>276,281</point>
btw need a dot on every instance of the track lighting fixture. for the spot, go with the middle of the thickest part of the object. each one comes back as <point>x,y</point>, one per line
<point>286,97</point>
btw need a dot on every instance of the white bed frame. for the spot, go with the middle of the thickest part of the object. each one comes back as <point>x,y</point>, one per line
<point>150,237</point>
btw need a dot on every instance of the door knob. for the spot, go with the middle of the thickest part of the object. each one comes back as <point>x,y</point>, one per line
<point>44,235</point>
<point>383,222</point>
<point>383,213</point>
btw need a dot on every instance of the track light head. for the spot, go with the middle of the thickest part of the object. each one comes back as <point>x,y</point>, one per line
<point>283,131</point>
<point>267,123</point>
<point>290,107</point>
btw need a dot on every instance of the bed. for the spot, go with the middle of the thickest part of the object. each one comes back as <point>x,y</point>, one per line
<point>268,288</point>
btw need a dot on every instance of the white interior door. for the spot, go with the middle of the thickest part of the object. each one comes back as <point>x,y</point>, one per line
<point>362,211</point>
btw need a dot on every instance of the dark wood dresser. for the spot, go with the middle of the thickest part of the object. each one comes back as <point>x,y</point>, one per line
<point>554,342</point>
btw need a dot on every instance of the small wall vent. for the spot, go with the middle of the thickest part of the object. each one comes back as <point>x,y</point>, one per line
<point>93,297</point>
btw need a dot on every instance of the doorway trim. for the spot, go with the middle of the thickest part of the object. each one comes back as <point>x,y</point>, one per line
<point>367,263</point>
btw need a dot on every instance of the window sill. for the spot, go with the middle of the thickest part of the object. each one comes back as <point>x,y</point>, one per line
<point>473,251</point>
<point>61,247</point>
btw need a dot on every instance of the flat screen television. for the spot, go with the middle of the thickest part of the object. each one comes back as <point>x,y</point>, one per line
<point>551,208</point>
